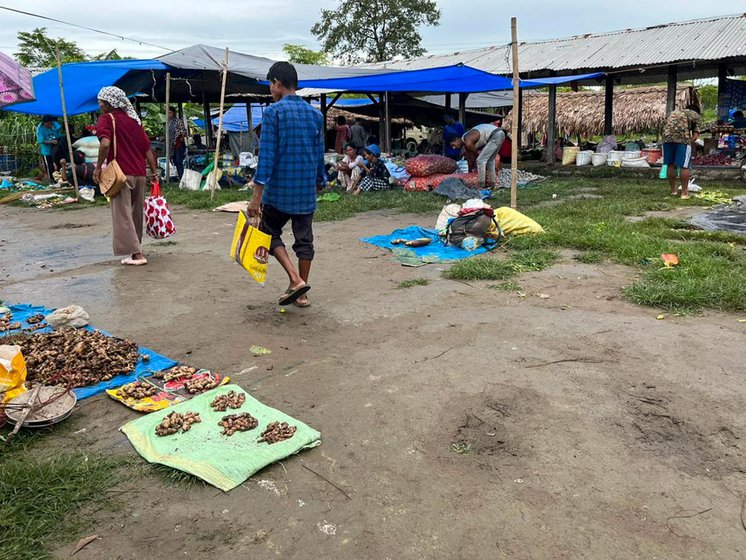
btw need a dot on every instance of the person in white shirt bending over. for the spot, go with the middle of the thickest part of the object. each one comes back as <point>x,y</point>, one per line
<point>488,138</point>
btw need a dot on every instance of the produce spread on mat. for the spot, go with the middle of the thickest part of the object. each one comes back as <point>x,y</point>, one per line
<point>40,351</point>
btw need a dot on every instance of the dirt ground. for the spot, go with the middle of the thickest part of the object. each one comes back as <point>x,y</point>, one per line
<point>458,421</point>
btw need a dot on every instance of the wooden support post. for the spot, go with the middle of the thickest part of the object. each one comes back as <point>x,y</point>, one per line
<point>387,121</point>
<point>519,140</point>
<point>324,111</point>
<point>551,124</point>
<point>462,108</point>
<point>67,125</point>
<point>180,109</point>
<point>673,78</point>
<point>381,122</point>
<point>208,120</point>
<point>609,106</point>
<point>214,182</point>
<point>168,132</point>
<point>250,122</point>
<point>333,101</point>
<point>722,111</point>
<point>516,131</point>
<point>448,102</point>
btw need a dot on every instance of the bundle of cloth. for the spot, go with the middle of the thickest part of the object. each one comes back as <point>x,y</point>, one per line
<point>474,223</point>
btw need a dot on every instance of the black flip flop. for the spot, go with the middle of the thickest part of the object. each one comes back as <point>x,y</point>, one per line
<point>291,297</point>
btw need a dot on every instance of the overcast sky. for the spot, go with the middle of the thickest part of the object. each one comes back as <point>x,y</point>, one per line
<point>261,27</point>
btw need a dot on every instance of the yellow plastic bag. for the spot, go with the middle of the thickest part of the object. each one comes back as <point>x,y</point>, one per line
<point>12,372</point>
<point>250,248</point>
<point>513,222</point>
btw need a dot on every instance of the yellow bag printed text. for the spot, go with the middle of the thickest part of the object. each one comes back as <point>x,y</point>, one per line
<point>250,248</point>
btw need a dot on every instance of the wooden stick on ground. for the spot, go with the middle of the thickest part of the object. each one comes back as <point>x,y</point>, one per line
<point>67,125</point>
<point>214,182</point>
<point>515,132</point>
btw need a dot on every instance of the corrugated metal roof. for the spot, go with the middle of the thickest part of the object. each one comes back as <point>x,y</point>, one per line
<point>709,39</point>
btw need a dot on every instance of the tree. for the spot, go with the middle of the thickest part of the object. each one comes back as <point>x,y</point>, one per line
<point>111,55</point>
<point>37,49</point>
<point>375,30</point>
<point>302,55</point>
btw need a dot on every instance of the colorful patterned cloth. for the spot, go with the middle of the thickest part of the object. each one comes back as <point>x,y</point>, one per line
<point>680,125</point>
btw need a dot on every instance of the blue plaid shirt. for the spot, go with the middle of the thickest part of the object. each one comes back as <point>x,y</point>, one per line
<point>291,155</point>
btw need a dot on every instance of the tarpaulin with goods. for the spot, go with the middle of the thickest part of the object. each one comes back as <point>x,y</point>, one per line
<point>225,461</point>
<point>149,361</point>
<point>165,393</point>
<point>435,252</point>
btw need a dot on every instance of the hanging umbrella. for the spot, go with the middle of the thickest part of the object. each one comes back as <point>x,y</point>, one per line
<point>16,85</point>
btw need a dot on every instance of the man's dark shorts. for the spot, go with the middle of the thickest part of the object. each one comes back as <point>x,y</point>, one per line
<point>273,220</point>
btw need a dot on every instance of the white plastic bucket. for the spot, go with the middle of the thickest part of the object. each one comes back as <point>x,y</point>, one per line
<point>615,155</point>
<point>632,154</point>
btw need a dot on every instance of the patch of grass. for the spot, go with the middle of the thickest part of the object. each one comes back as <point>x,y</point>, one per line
<point>40,495</point>
<point>590,257</point>
<point>407,202</point>
<point>200,200</point>
<point>346,207</point>
<point>174,477</point>
<point>412,283</point>
<point>509,286</point>
<point>501,269</point>
<point>481,269</point>
<point>532,259</point>
<point>713,264</point>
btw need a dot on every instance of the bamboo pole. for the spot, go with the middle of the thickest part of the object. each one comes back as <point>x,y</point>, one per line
<point>515,132</point>
<point>168,131</point>
<point>387,122</point>
<point>67,125</point>
<point>213,183</point>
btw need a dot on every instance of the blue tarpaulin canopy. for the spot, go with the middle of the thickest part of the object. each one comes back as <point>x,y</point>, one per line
<point>82,81</point>
<point>447,79</point>
<point>235,118</point>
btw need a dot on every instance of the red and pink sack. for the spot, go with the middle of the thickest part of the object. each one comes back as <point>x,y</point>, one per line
<point>424,166</point>
<point>158,222</point>
<point>429,183</point>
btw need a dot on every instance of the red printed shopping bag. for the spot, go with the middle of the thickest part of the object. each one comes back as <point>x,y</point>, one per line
<point>158,222</point>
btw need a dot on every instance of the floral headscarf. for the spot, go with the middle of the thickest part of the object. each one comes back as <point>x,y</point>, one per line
<point>118,99</point>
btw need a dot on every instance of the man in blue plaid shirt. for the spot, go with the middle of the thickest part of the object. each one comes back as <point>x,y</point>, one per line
<point>291,166</point>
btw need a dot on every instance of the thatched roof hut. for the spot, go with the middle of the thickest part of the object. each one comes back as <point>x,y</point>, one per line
<point>582,113</point>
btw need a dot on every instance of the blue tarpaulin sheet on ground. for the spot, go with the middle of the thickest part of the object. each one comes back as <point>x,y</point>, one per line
<point>155,363</point>
<point>435,252</point>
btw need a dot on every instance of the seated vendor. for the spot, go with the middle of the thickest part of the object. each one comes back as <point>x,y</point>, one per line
<point>350,169</point>
<point>739,121</point>
<point>376,175</point>
<point>197,143</point>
